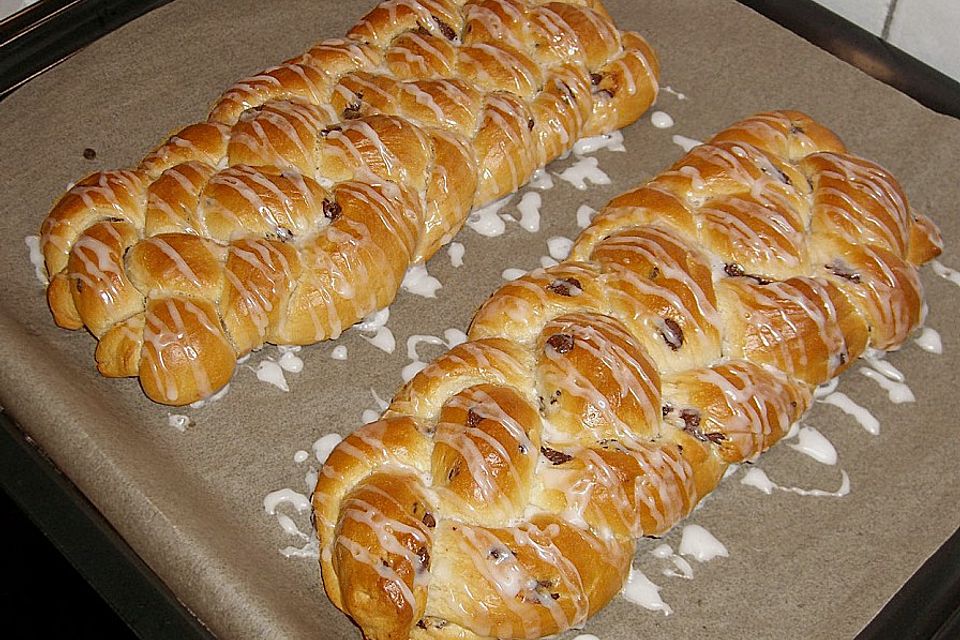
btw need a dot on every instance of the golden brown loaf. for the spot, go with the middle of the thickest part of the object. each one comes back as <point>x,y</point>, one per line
<point>296,208</point>
<point>597,401</point>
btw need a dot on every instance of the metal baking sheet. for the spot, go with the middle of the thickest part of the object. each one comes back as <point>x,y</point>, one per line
<point>191,503</point>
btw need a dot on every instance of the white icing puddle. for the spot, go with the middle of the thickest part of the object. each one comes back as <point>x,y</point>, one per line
<point>584,170</point>
<point>685,143</point>
<point>36,258</point>
<point>529,208</point>
<point>612,141</point>
<point>559,247</point>
<point>541,180</point>
<point>699,544</point>
<point>585,216</point>
<point>420,283</point>
<point>324,445</point>
<point>339,352</point>
<point>929,340</point>
<point>640,590</point>
<point>756,477</point>
<point>661,120</point>
<point>456,250</point>
<point>681,567</point>
<point>486,220</point>
<point>814,444</point>
<point>382,337</point>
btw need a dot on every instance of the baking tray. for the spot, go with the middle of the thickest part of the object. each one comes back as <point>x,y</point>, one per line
<point>688,16</point>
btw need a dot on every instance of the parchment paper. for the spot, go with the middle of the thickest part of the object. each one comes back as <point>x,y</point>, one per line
<point>191,503</point>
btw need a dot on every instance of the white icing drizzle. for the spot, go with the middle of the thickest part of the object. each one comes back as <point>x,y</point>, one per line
<point>301,456</point>
<point>339,352</point>
<point>685,143</point>
<point>369,415</point>
<point>826,388</point>
<point>512,274</point>
<point>324,445</point>
<point>929,340</point>
<point>546,262</point>
<point>661,120</point>
<point>641,591</point>
<point>583,170</point>
<point>486,220</point>
<point>811,442</point>
<point>178,421</point>
<point>456,250</point>
<point>586,636</point>
<point>374,321</point>
<point>757,478</point>
<point>612,141</point>
<point>898,392</point>
<point>946,272</point>
<point>585,216</point>
<point>418,282</point>
<point>681,567</point>
<point>274,499</point>
<point>559,247</point>
<point>450,339</point>
<point>36,258</point>
<point>310,550</point>
<point>701,545</point>
<point>843,402</point>
<point>529,208</point>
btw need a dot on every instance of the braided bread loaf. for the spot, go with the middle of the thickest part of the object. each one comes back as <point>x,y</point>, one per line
<point>296,208</point>
<point>597,401</point>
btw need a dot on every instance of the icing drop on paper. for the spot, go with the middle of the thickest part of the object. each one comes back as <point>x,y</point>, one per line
<point>300,456</point>
<point>486,220</point>
<point>811,442</point>
<point>339,352</point>
<point>585,216</point>
<point>512,274</point>
<point>546,262</point>
<point>456,250</point>
<point>270,372</point>
<point>541,180</point>
<point>451,338</point>
<point>585,169</point>
<point>324,445</point>
<point>289,360</point>
<point>843,402</point>
<point>375,323</point>
<point>896,391</point>
<point>686,143</point>
<point>681,568</point>
<point>418,282</point>
<point>36,258</point>
<point>529,208</point>
<point>178,421</point>
<point>641,591</point>
<point>700,544</point>
<point>671,91</point>
<point>661,120</point>
<point>559,247</point>
<point>945,272</point>
<point>929,340</point>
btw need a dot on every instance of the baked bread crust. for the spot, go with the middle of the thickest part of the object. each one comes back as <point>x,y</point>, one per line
<point>296,208</point>
<point>597,401</point>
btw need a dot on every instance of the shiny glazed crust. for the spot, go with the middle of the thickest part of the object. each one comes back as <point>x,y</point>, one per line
<point>297,207</point>
<point>503,491</point>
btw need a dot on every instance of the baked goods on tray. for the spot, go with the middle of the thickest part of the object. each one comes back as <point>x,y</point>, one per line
<point>504,490</point>
<point>297,207</point>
